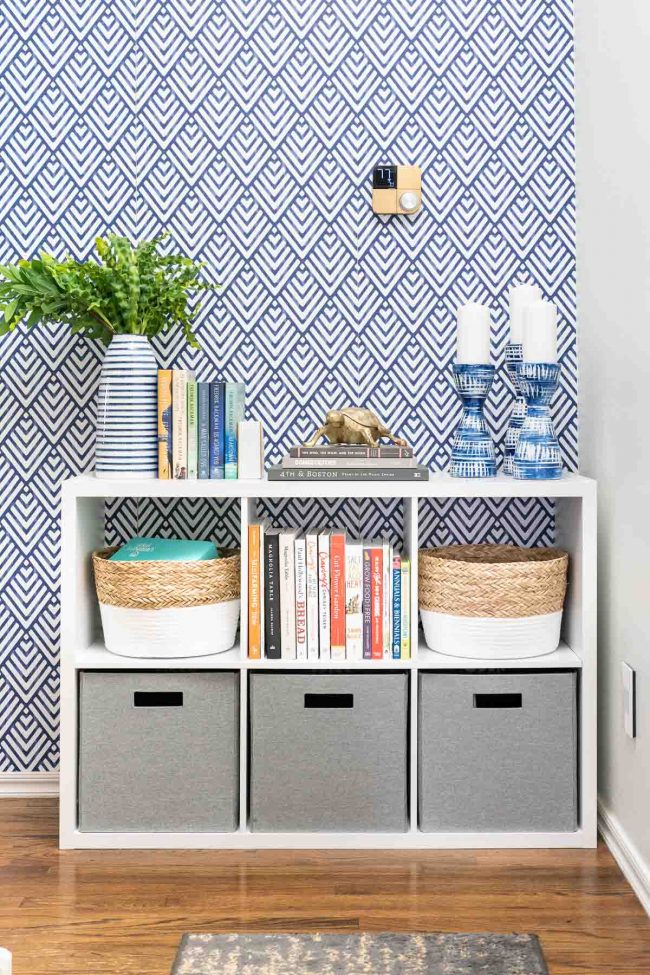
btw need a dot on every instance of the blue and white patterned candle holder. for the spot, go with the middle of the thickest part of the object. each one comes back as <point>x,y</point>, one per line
<point>537,454</point>
<point>514,355</point>
<point>472,449</point>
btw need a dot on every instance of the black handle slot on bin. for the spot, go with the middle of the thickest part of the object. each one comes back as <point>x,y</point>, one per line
<point>497,701</point>
<point>157,699</point>
<point>329,700</point>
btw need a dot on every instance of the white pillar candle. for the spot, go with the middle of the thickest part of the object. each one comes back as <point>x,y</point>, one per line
<point>540,332</point>
<point>473,334</point>
<point>520,296</point>
<point>5,961</point>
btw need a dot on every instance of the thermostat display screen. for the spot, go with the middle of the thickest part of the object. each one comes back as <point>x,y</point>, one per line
<point>384,178</point>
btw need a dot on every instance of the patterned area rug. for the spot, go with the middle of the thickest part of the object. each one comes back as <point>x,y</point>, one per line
<point>366,954</point>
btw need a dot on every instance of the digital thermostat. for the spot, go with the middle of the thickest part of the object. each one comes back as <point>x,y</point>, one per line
<point>396,189</point>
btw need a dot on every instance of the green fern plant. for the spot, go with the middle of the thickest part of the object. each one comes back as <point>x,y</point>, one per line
<point>129,290</point>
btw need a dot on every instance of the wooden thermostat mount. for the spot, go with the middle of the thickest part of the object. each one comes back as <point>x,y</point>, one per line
<point>396,189</point>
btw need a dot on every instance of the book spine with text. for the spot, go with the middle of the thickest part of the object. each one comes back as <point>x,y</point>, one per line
<point>342,463</point>
<point>179,423</point>
<point>416,473</point>
<point>367,605</point>
<point>387,601</point>
<point>397,607</point>
<point>254,593</point>
<point>311,558</point>
<point>203,396</point>
<point>288,594</point>
<point>354,600</point>
<point>324,643</point>
<point>234,414</point>
<point>337,595</point>
<point>376,603</point>
<point>272,629</point>
<point>217,428</point>
<point>192,430</point>
<point>165,424</point>
<point>300,558</point>
<point>405,622</point>
<point>348,451</point>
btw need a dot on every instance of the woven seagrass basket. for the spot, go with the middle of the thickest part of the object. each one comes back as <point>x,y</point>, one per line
<point>168,609</point>
<point>492,601</point>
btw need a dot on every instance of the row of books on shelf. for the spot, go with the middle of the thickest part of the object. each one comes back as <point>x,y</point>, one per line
<point>349,462</point>
<point>321,595</point>
<point>198,426</point>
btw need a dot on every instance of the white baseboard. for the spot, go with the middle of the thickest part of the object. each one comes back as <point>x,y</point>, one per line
<point>28,785</point>
<point>634,868</point>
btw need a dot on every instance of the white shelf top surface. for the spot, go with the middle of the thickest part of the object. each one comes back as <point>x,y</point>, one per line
<point>564,658</point>
<point>438,486</point>
<point>97,657</point>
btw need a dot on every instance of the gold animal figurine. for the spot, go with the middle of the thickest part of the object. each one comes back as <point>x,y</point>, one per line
<point>354,425</point>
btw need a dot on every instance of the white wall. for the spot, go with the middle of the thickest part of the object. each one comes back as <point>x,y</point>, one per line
<point>613,185</point>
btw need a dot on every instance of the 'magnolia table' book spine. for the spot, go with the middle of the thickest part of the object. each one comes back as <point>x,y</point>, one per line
<point>272,623</point>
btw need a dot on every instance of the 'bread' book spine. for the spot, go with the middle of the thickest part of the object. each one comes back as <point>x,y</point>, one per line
<point>234,415</point>
<point>272,629</point>
<point>254,593</point>
<point>300,555</point>
<point>367,605</point>
<point>324,597</point>
<point>165,424</point>
<point>353,601</point>
<point>350,451</point>
<point>179,423</point>
<point>337,595</point>
<point>416,473</point>
<point>397,607</point>
<point>203,390</point>
<point>311,557</point>
<point>192,430</point>
<point>376,603</point>
<point>405,622</point>
<point>288,594</point>
<point>217,430</point>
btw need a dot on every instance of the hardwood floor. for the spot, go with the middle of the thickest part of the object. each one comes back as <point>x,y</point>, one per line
<point>81,913</point>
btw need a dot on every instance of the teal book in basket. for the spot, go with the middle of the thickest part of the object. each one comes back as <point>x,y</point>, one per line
<point>165,550</point>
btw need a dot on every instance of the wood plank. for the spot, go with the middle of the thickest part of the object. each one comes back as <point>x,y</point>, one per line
<point>123,912</point>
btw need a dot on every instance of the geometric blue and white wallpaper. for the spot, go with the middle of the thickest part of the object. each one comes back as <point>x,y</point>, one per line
<point>249,131</point>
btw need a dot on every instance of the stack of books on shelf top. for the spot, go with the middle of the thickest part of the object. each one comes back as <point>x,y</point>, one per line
<point>323,596</point>
<point>350,462</point>
<point>201,427</point>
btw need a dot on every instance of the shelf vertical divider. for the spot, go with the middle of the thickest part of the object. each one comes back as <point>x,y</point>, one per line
<point>82,531</point>
<point>411,542</point>
<point>247,508</point>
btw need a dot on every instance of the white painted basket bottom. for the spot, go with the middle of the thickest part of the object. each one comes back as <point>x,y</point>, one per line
<point>489,638</point>
<point>192,631</point>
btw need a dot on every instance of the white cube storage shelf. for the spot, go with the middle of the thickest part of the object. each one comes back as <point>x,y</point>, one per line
<point>82,650</point>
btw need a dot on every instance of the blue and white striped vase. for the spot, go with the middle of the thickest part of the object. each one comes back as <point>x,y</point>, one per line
<point>127,426</point>
<point>472,449</point>
<point>514,355</point>
<point>537,454</point>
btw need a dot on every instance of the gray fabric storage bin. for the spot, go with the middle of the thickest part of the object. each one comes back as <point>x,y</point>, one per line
<point>497,752</point>
<point>328,752</point>
<point>158,751</point>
